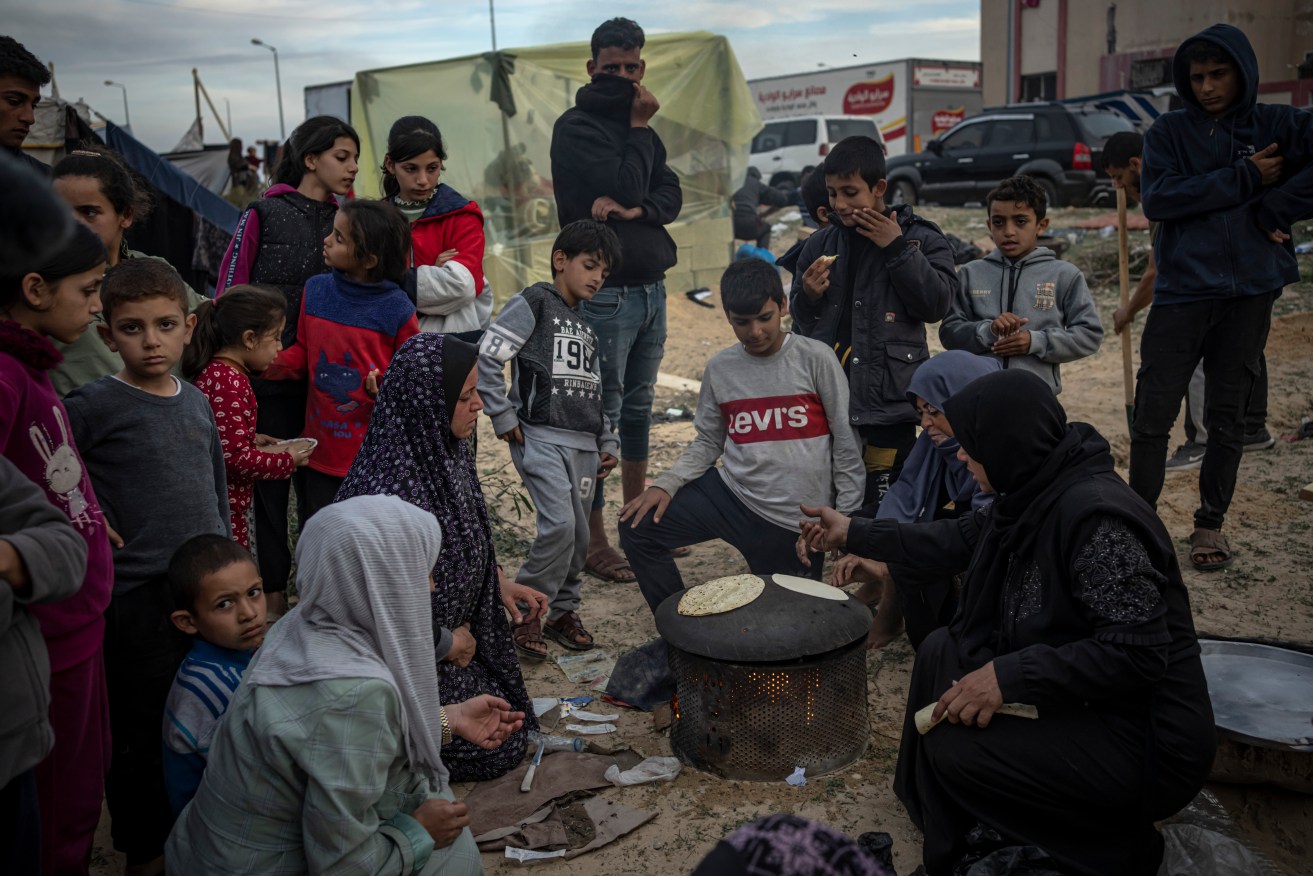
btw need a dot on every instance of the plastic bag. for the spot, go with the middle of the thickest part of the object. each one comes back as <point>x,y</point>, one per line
<point>988,855</point>
<point>653,769</point>
<point>1195,851</point>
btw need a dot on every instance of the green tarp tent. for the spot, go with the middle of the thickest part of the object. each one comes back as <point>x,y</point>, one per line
<point>496,113</point>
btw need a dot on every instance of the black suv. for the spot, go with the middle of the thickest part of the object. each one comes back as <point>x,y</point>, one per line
<point>1058,145</point>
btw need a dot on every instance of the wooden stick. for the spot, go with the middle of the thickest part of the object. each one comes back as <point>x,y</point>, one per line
<point>1124,281</point>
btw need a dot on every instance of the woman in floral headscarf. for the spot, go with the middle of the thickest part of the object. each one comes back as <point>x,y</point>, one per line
<point>417,448</point>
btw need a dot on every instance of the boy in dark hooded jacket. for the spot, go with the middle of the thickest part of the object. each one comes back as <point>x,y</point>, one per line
<point>1225,177</point>
<point>873,279</point>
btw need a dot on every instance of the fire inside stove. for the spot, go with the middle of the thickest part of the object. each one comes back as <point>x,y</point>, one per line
<point>759,720</point>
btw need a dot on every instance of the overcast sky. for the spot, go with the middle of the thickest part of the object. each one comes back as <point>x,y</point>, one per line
<point>151,45</point>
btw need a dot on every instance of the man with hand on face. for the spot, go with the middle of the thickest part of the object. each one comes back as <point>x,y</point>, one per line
<point>610,166</point>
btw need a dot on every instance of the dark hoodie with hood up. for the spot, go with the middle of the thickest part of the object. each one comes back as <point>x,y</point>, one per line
<point>595,152</point>
<point>1199,183</point>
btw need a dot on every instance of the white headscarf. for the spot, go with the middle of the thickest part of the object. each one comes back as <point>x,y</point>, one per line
<point>362,571</point>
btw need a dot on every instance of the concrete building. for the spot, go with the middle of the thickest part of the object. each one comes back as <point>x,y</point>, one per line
<point>1057,49</point>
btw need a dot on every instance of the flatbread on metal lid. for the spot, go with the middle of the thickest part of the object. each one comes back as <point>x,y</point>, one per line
<point>721,595</point>
<point>808,587</point>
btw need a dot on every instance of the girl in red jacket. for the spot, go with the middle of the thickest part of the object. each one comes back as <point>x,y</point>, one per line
<point>446,230</point>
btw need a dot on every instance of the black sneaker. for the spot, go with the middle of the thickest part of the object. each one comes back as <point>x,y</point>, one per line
<point>1260,440</point>
<point>1187,457</point>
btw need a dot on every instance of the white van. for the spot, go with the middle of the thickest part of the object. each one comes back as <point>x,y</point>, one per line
<point>785,148</point>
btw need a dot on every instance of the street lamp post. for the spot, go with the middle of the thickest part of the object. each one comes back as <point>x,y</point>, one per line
<point>127,119</point>
<point>278,80</point>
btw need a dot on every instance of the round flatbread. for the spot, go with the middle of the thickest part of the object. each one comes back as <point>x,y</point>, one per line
<point>721,595</point>
<point>808,587</point>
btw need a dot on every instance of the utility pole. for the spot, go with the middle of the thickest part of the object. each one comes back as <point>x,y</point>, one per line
<point>278,80</point>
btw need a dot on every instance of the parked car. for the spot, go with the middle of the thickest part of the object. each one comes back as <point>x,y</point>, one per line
<point>784,149</point>
<point>1059,146</point>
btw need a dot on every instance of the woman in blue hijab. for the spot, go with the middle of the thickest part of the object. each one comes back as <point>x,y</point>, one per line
<point>934,484</point>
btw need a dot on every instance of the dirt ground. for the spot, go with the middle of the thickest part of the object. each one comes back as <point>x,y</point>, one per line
<point>1268,592</point>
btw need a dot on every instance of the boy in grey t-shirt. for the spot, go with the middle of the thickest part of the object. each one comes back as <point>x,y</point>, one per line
<point>560,440</point>
<point>774,411</point>
<point>152,449</point>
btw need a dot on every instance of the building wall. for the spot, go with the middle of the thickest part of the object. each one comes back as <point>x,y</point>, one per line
<point>1280,30</point>
<point>994,50</point>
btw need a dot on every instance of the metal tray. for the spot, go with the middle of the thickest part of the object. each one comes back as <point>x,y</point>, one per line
<point>1261,695</point>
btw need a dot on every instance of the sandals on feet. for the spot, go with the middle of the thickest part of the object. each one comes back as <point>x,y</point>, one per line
<point>1205,543</point>
<point>610,565</point>
<point>526,637</point>
<point>568,630</point>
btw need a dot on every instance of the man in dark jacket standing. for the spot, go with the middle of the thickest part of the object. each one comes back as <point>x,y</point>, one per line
<point>609,165</point>
<point>748,224</point>
<point>1225,177</point>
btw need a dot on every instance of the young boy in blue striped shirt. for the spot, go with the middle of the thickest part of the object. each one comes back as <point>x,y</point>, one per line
<point>218,599</point>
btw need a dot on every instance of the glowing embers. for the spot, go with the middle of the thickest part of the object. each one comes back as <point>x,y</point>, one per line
<point>772,685</point>
<point>760,721</point>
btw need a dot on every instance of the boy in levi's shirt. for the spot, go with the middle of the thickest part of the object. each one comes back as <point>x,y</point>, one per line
<point>774,411</point>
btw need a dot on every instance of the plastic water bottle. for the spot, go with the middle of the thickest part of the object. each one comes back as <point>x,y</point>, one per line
<point>556,743</point>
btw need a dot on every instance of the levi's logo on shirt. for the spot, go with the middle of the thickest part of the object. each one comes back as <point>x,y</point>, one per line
<point>775,418</point>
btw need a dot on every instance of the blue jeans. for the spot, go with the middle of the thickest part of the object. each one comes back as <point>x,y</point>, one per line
<point>630,322</point>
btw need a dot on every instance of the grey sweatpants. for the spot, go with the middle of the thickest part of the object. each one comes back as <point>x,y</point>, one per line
<point>560,481</point>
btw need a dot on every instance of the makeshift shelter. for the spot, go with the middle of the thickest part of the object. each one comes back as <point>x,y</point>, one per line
<point>496,112</point>
<point>188,224</point>
<point>59,127</point>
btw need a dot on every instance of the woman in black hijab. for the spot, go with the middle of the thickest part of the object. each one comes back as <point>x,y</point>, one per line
<point>1072,603</point>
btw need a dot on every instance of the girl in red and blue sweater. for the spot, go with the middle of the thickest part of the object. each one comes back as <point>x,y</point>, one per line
<point>352,320</point>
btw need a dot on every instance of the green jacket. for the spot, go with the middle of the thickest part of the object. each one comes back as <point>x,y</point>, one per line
<point>312,778</point>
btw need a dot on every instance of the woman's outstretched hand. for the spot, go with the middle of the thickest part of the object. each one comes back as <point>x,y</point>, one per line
<point>485,720</point>
<point>973,699</point>
<point>827,533</point>
<point>443,819</point>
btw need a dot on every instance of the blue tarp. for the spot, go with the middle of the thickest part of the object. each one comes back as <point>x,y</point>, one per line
<point>175,184</point>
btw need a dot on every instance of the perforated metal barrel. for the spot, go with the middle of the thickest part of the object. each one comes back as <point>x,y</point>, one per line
<point>757,721</point>
<point>773,685</point>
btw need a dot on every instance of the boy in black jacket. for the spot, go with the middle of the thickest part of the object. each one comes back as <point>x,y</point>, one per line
<point>876,276</point>
<point>609,165</point>
<point>1225,178</point>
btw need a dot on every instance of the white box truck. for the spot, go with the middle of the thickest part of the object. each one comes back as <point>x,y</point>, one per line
<point>909,100</point>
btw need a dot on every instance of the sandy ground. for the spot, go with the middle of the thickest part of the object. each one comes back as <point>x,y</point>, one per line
<point>1268,592</point>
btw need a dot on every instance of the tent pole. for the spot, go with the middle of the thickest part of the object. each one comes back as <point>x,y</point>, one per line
<point>218,118</point>
<point>196,93</point>
<point>492,19</point>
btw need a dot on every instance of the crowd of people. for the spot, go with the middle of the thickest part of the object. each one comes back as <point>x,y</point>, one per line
<point>153,439</point>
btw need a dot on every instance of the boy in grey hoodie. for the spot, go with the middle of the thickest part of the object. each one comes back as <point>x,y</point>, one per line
<point>1020,302</point>
<point>560,439</point>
